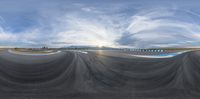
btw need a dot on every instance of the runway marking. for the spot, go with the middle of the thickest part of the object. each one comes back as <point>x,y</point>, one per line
<point>161,55</point>
<point>151,56</point>
<point>22,53</point>
<point>84,52</point>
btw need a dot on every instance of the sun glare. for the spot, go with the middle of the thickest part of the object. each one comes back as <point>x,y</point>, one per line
<point>100,46</point>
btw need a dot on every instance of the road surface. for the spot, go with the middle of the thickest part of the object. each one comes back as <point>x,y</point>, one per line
<point>98,75</point>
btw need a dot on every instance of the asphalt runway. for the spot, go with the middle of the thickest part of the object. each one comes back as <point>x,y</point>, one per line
<point>99,75</point>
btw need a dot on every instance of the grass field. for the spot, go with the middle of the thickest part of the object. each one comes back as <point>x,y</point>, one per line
<point>2,49</point>
<point>31,51</point>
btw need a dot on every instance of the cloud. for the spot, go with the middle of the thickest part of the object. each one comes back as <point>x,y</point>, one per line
<point>68,29</point>
<point>163,27</point>
<point>117,24</point>
<point>83,31</point>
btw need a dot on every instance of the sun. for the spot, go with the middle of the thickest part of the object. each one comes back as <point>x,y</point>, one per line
<point>100,46</point>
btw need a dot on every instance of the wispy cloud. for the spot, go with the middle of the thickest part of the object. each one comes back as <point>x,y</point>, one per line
<point>88,31</point>
<point>69,29</point>
<point>163,27</point>
<point>118,24</point>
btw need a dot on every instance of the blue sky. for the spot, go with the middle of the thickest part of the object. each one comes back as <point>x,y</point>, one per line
<point>115,23</point>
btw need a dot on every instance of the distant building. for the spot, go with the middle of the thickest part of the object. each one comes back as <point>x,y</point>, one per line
<point>44,47</point>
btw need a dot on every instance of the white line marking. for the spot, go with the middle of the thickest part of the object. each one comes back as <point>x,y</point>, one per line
<point>84,52</point>
<point>151,56</point>
<point>157,56</point>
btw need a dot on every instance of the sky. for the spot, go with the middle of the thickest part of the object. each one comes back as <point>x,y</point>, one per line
<point>113,23</point>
